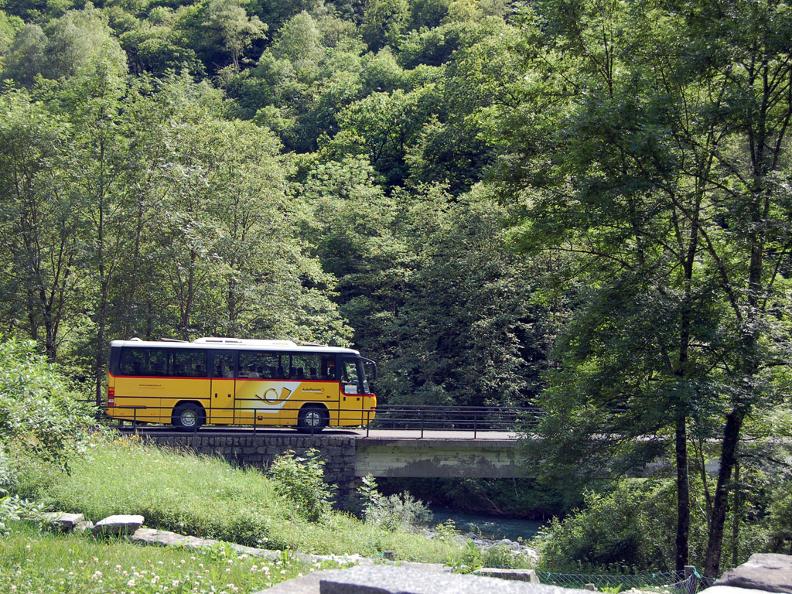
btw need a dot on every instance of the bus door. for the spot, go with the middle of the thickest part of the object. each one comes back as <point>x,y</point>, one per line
<point>263,390</point>
<point>351,390</point>
<point>223,366</point>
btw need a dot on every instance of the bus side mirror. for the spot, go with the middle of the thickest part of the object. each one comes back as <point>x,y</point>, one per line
<point>371,369</point>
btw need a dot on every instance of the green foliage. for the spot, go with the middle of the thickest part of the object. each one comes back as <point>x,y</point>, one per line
<point>780,521</point>
<point>468,561</point>
<point>392,512</point>
<point>300,480</point>
<point>78,43</point>
<point>627,527</point>
<point>383,22</point>
<point>14,509</point>
<point>39,411</point>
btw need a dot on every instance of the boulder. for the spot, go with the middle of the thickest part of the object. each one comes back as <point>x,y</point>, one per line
<point>64,521</point>
<point>763,571</point>
<point>118,525</point>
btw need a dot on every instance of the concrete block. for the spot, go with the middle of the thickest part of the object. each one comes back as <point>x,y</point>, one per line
<point>118,525</point>
<point>64,521</point>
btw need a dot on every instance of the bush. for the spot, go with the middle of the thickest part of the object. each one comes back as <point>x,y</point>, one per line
<point>631,527</point>
<point>780,522</point>
<point>394,512</point>
<point>39,410</point>
<point>300,480</point>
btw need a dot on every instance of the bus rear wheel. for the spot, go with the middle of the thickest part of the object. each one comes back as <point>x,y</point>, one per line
<point>312,419</point>
<point>188,416</point>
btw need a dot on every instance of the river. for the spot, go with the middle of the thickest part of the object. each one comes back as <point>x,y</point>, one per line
<point>486,526</point>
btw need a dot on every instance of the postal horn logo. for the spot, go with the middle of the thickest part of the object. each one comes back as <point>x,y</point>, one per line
<point>272,395</point>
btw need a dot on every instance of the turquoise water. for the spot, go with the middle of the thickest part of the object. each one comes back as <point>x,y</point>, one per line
<point>490,527</point>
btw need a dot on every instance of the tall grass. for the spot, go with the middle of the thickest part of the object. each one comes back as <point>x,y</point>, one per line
<point>206,496</point>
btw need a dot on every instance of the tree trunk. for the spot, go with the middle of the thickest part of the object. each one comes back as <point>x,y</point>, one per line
<point>728,459</point>
<point>736,514</point>
<point>683,494</point>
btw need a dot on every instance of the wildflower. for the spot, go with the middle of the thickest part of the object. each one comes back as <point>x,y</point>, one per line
<point>97,575</point>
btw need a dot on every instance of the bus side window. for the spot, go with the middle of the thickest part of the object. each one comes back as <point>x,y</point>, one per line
<point>328,369</point>
<point>157,363</point>
<point>223,364</point>
<point>305,366</point>
<point>133,361</point>
<point>188,363</point>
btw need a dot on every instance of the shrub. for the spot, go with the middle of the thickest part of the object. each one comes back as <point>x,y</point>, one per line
<point>630,527</point>
<point>468,561</point>
<point>393,512</point>
<point>300,480</point>
<point>39,410</point>
<point>780,522</point>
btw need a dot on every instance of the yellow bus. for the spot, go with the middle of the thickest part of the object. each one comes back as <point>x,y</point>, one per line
<point>231,381</point>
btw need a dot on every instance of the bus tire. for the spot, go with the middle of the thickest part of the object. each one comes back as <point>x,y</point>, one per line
<point>312,418</point>
<point>188,416</point>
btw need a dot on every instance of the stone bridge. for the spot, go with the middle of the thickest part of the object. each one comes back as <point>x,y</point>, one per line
<point>350,455</point>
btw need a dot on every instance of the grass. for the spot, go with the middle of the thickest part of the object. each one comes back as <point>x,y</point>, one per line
<point>206,496</point>
<point>33,562</point>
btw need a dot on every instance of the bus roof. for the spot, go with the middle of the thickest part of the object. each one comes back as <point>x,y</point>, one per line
<point>212,342</point>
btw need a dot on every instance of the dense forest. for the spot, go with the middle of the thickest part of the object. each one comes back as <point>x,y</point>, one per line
<point>580,203</point>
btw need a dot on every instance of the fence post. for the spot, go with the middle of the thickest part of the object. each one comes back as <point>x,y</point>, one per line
<point>368,421</point>
<point>475,424</point>
<point>255,416</point>
<point>423,420</point>
<point>691,579</point>
<point>134,420</point>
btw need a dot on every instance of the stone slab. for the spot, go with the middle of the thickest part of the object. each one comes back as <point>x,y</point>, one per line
<point>307,584</point>
<point>118,525</point>
<point>64,521</point>
<point>379,579</point>
<point>520,575</point>
<point>729,590</point>
<point>770,572</point>
<point>165,538</point>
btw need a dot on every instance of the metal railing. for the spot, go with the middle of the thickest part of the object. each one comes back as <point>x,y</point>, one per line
<point>473,419</point>
<point>418,419</point>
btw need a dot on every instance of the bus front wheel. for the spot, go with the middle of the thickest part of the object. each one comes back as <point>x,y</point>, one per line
<point>188,416</point>
<point>312,419</point>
